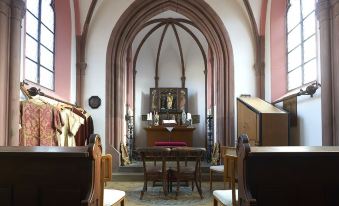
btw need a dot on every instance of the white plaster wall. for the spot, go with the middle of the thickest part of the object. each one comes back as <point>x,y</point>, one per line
<point>256,9</point>
<point>103,21</point>
<point>170,74</point>
<point>308,109</point>
<point>195,82</point>
<point>309,116</point>
<point>95,75</point>
<point>237,24</point>
<point>83,7</point>
<point>145,68</point>
<point>169,64</point>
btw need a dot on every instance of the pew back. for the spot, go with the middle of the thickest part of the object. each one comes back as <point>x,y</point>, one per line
<point>287,175</point>
<point>49,175</point>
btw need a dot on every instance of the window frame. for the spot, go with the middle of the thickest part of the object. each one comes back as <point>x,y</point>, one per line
<point>40,44</point>
<point>301,44</point>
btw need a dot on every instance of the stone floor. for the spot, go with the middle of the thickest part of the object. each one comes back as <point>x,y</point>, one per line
<point>155,196</point>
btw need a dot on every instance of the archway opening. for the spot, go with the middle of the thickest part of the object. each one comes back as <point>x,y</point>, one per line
<point>204,18</point>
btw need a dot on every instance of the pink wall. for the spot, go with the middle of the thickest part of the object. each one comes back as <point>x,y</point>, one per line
<point>63,49</point>
<point>262,28</point>
<point>278,48</point>
<point>77,17</point>
<point>130,79</point>
<point>63,32</point>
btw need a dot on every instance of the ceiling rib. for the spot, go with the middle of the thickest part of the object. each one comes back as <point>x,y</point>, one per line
<point>173,22</point>
<point>156,78</point>
<point>183,77</point>
<point>196,40</point>
<point>142,43</point>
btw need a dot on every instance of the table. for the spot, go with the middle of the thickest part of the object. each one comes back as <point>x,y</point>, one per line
<point>163,134</point>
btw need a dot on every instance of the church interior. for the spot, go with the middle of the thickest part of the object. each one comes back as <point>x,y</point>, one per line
<point>169,102</point>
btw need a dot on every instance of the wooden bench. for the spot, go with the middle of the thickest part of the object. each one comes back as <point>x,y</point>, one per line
<point>292,176</point>
<point>51,176</point>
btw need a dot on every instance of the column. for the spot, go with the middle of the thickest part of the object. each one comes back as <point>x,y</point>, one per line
<point>11,14</point>
<point>5,13</point>
<point>335,69</point>
<point>327,10</point>
<point>17,14</point>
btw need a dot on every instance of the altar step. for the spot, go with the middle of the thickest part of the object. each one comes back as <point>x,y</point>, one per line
<point>139,176</point>
<point>134,172</point>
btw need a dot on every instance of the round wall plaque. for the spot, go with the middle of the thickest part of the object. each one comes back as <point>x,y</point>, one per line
<point>94,102</point>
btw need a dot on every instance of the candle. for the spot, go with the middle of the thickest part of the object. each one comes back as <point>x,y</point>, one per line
<point>189,116</point>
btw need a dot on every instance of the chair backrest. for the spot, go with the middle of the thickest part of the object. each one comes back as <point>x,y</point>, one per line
<point>230,161</point>
<point>154,154</point>
<point>106,167</point>
<point>105,173</point>
<point>182,154</point>
<point>215,158</point>
<point>226,150</point>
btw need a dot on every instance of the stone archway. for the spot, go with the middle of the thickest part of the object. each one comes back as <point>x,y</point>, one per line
<point>122,36</point>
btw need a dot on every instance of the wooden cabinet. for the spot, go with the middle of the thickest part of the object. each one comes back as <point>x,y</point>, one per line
<point>265,124</point>
<point>177,134</point>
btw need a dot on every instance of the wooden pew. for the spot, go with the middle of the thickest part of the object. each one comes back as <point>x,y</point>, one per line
<point>49,176</point>
<point>289,176</point>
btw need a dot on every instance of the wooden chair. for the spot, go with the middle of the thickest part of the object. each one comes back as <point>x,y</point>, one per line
<point>222,167</point>
<point>228,197</point>
<point>110,196</point>
<point>154,172</point>
<point>183,171</point>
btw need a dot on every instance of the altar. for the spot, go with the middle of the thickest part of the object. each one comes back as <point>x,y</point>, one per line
<point>170,134</point>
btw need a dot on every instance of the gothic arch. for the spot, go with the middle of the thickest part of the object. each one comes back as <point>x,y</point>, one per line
<point>122,36</point>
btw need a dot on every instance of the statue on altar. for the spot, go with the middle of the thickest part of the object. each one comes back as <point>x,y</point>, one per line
<point>169,100</point>
<point>156,119</point>
<point>182,100</point>
<point>154,100</point>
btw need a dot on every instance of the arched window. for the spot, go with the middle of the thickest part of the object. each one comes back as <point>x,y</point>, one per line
<point>301,43</point>
<point>39,42</point>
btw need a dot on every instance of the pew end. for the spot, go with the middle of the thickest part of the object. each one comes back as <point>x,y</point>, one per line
<point>291,175</point>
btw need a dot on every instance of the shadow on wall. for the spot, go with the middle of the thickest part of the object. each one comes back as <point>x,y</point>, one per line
<point>140,134</point>
<point>193,103</point>
<point>144,103</point>
<point>193,107</point>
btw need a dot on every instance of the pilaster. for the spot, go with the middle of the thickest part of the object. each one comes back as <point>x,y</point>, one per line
<point>327,12</point>
<point>17,14</point>
<point>5,12</point>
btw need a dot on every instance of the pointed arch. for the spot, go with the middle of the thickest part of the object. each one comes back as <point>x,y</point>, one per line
<point>122,36</point>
